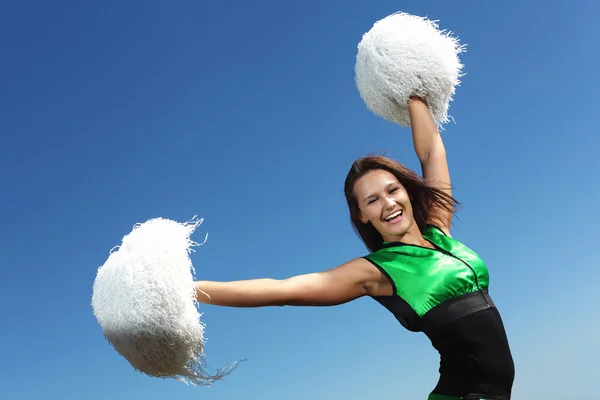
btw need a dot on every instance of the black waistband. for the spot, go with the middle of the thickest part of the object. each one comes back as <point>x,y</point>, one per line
<point>454,309</point>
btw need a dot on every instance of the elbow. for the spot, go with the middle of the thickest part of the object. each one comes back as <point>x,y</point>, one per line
<point>423,156</point>
<point>281,302</point>
<point>431,153</point>
<point>283,295</point>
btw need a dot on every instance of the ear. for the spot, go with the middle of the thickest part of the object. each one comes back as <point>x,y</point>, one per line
<point>363,219</point>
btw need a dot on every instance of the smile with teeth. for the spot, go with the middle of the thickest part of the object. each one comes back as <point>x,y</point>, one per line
<point>393,217</point>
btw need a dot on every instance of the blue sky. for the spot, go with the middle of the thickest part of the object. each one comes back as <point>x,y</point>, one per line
<point>246,114</point>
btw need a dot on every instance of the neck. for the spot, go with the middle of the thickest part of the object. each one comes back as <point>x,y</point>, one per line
<point>412,236</point>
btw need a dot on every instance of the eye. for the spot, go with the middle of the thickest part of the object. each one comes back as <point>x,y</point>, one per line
<point>393,190</point>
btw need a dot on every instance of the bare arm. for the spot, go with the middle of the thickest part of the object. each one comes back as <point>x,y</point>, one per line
<point>342,284</point>
<point>431,153</point>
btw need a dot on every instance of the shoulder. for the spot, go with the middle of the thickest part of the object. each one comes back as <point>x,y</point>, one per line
<point>362,268</point>
<point>377,280</point>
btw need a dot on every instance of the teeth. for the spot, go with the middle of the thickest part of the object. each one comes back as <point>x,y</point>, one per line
<point>394,215</point>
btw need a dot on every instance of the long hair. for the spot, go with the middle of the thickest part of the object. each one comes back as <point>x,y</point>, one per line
<point>424,198</point>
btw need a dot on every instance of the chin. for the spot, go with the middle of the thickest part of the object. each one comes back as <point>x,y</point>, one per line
<point>397,232</point>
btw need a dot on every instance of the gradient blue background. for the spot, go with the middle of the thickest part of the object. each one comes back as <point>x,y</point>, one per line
<point>246,114</point>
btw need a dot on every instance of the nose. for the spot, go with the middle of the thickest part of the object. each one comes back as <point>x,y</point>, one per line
<point>389,203</point>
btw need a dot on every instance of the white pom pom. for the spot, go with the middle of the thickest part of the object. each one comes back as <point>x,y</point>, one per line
<point>405,55</point>
<point>144,300</point>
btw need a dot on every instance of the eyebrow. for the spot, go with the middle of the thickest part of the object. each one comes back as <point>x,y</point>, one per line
<point>374,195</point>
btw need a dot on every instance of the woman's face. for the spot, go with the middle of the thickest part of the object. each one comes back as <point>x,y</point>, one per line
<point>384,202</point>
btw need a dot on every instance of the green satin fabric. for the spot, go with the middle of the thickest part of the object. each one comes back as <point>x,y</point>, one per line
<point>425,277</point>
<point>442,397</point>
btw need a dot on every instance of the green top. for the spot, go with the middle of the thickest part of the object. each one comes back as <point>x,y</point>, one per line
<point>425,278</point>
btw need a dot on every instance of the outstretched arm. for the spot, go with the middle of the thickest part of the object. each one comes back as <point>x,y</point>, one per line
<point>347,282</point>
<point>431,153</point>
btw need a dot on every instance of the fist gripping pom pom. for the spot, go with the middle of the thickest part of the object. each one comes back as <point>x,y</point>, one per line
<point>144,300</point>
<point>402,56</point>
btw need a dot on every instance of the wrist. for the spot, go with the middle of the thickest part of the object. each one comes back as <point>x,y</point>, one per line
<point>417,99</point>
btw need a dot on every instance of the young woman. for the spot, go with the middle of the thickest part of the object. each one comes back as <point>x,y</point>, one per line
<point>431,282</point>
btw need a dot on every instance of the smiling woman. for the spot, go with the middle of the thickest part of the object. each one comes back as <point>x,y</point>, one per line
<point>429,281</point>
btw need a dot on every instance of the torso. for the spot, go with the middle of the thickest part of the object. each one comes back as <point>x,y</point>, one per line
<point>442,290</point>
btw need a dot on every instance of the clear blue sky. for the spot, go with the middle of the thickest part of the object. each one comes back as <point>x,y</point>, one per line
<point>246,114</point>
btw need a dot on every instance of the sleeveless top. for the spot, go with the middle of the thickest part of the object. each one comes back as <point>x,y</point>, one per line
<point>443,292</point>
<point>426,281</point>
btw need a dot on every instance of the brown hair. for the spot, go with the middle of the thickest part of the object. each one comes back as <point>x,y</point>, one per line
<point>423,197</point>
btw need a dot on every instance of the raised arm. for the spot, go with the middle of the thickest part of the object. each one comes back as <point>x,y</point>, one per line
<point>431,153</point>
<point>347,282</point>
